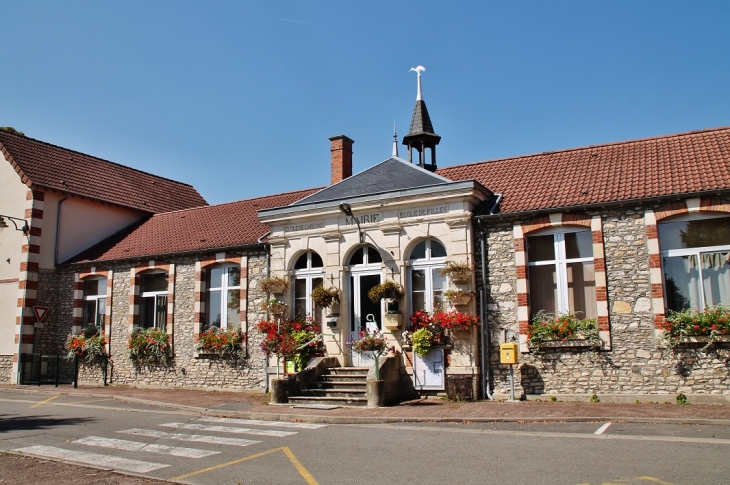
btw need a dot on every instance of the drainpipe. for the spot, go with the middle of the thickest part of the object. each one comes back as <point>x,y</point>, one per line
<point>58,229</point>
<point>267,248</point>
<point>486,391</point>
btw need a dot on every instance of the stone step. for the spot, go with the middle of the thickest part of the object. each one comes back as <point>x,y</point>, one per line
<point>327,384</point>
<point>334,392</point>
<point>330,401</point>
<point>343,379</point>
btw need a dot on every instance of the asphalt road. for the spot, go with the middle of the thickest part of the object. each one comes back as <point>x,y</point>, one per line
<point>188,448</point>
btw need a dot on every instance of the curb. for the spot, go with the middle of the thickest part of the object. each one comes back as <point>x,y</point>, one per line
<point>371,420</point>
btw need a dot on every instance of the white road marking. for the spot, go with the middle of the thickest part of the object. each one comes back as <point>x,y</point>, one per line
<point>253,422</point>
<point>602,428</point>
<point>228,429</point>
<point>114,462</point>
<point>219,440</point>
<point>147,447</point>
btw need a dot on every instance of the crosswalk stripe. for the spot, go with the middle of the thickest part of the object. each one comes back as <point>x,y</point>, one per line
<point>228,429</point>
<point>147,447</point>
<point>219,440</point>
<point>114,462</point>
<point>253,422</point>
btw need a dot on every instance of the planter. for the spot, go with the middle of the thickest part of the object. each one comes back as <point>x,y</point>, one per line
<point>703,339</point>
<point>567,344</point>
<point>393,321</point>
<point>376,393</point>
<point>279,391</point>
<point>392,307</point>
<point>461,301</point>
<point>278,289</point>
<point>277,308</point>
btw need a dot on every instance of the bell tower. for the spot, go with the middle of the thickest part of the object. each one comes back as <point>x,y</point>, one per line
<point>421,135</point>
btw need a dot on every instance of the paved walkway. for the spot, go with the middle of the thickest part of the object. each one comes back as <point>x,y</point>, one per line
<point>255,406</point>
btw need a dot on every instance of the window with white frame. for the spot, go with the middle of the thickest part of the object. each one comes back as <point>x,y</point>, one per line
<point>426,285</point>
<point>223,303</point>
<point>696,261</point>
<point>94,302</point>
<point>561,273</point>
<point>308,274</point>
<point>153,300</point>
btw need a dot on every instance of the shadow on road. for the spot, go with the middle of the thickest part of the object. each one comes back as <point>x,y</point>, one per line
<point>26,423</point>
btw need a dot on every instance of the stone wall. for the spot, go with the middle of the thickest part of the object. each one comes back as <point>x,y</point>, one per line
<point>186,368</point>
<point>6,368</point>
<point>635,363</point>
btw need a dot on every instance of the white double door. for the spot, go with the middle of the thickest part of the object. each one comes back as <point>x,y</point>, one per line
<point>364,314</point>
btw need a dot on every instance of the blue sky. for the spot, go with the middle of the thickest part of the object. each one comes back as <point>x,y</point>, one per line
<point>240,98</point>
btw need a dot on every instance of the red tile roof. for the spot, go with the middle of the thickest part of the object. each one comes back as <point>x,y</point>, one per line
<point>684,163</point>
<point>48,166</point>
<point>233,224</point>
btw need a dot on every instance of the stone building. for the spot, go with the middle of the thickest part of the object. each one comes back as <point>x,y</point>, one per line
<point>621,234</point>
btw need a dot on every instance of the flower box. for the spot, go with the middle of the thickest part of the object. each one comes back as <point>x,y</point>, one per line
<point>563,344</point>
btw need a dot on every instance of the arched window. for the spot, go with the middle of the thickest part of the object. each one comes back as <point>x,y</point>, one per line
<point>153,300</point>
<point>94,302</point>
<point>364,256</point>
<point>223,302</point>
<point>426,285</point>
<point>696,261</point>
<point>561,272</point>
<point>308,274</point>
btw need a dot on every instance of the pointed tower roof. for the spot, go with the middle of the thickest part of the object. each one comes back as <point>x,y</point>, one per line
<point>421,135</point>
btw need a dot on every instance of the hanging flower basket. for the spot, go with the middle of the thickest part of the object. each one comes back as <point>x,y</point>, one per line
<point>326,297</point>
<point>274,284</point>
<point>457,271</point>
<point>388,289</point>
<point>274,306</point>
<point>459,297</point>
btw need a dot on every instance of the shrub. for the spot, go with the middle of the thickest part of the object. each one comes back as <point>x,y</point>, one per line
<point>149,345</point>
<point>226,343</point>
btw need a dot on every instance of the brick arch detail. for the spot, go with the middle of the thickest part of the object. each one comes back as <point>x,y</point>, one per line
<point>651,217</point>
<point>520,231</point>
<point>134,295</point>
<point>78,303</point>
<point>200,286</point>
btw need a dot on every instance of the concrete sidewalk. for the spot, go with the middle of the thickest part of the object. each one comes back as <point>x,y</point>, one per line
<point>255,406</point>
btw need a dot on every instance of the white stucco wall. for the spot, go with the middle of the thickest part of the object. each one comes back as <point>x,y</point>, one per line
<point>83,224</point>
<point>12,203</point>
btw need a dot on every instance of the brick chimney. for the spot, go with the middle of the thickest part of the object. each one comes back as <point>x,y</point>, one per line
<point>341,148</point>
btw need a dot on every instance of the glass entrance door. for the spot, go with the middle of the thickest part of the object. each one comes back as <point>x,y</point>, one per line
<point>364,314</point>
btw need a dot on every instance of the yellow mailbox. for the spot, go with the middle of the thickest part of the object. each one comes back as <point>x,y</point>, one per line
<point>508,353</point>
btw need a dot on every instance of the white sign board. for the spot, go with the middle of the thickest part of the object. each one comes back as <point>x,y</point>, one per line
<point>428,371</point>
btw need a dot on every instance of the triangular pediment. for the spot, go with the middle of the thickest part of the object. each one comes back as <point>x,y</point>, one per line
<point>392,175</point>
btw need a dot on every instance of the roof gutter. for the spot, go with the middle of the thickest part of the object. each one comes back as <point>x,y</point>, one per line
<point>597,205</point>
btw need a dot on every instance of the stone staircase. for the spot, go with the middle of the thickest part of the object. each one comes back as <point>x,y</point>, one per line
<point>337,386</point>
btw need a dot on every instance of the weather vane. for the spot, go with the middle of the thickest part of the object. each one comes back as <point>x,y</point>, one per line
<point>419,70</point>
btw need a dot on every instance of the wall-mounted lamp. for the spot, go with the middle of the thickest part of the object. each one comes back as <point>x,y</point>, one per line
<point>347,210</point>
<point>24,228</point>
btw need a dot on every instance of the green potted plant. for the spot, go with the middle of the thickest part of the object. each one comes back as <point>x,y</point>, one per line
<point>375,345</point>
<point>421,341</point>
<point>389,290</point>
<point>274,284</point>
<point>325,297</point>
<point>457,271</point>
